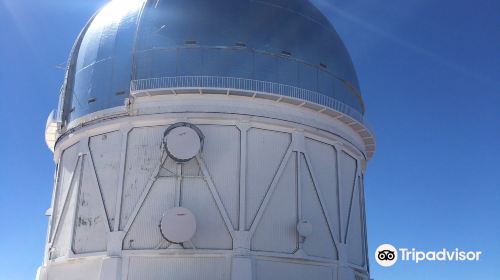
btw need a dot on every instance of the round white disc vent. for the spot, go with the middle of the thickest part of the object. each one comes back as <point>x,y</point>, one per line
<point>304,228</point>
<point>178,225</point>
<point>183,141</point>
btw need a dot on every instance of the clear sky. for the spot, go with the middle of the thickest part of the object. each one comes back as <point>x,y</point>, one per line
<point>430,75</point>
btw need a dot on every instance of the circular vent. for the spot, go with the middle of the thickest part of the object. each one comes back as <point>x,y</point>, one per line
<point>178,225</point>
<point>183,141</point>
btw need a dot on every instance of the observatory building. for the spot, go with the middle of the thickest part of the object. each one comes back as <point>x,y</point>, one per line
<point>208,140</point>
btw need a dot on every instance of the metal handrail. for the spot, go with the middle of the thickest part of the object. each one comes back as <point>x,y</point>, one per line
<point>262,87</point>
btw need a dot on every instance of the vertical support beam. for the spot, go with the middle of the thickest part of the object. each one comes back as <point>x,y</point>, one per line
<point>243,127</point>
<point>363,212</point>
<point>241,238</point>
<point>298,141</point>
<point>125,267</point>
<point>241,268</point>
<point>111,268</point>
<point>299,147</point>
<point>178,182</point>
<point>121,178</point>
<point>338,150</point>
<point>298,184</point>
<point>114,243</point>
<point>341,247</point>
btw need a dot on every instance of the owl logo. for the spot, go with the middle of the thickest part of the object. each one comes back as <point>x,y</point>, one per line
<point>386,255</point>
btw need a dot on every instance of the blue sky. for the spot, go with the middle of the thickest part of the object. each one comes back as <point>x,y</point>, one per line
<point>430,76</point>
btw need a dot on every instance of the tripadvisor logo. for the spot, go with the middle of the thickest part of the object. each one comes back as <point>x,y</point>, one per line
<point>387,255</point>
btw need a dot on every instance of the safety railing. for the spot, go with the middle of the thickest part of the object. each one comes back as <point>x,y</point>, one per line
<point>242,84</point>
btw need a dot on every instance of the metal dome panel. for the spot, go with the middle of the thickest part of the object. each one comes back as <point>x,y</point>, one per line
<point>288,43</point>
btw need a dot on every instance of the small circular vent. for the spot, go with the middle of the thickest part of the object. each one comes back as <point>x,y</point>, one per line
<point>304,228</point>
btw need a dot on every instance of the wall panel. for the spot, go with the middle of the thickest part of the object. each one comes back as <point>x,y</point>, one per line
<point>323,159</point>
<point>106,151</point>
<point>320,243</point>
<point>90,222</point>
<point>221,154</point>
<point>265,151</point>
<point>143,156</point>
<point>280,216</point>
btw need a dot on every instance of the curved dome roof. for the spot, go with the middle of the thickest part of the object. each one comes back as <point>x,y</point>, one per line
<point>283,42</point>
